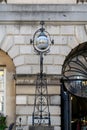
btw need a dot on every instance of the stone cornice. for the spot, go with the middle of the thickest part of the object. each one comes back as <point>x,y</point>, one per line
<point>50,13</point>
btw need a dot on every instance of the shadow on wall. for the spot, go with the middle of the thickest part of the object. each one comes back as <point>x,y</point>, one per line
<point>3,1</point>
<point>82,1</point>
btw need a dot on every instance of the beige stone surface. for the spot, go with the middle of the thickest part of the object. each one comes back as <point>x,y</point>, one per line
<point>81,33</point>
<point>67,30</point>
<point>41,1</point>
<point>55,99</point>
<point>19,60</point>
<point>8,42</point>
<point>55,120</point>
<point>2,33</point>
<point>10,108</point>
<point>16,42</point>
<point>21,89</point>
<point>21,100</point>
<point>14,51</point>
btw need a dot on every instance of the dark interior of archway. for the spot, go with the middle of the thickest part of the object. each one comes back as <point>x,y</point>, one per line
<point>79,111</point>
<point>79,107</point>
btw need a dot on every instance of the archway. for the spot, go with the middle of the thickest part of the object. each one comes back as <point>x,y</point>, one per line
<point>75,82</point>
<point>6,64</point>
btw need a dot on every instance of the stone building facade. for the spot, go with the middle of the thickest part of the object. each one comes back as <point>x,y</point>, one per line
<point>67,25</point>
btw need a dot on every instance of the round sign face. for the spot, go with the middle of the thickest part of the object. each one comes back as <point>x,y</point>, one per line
<point>42,43</point>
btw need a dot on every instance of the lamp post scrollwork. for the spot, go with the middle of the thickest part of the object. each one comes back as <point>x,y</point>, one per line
<point>41,42</point>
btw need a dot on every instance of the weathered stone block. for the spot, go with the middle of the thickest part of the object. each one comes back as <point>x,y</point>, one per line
<point>67,30</point>
<point>29,121</point>
<point>57,128</point>
<point>54,50</point>
<point>18,60</point>
<point>54,69</point>
<point>41,128</point>
<point>25,49</point>
<point>31,59</point>
<point>53,89</point>
<point>24,69</point>
<point>55,120</point>
<point>81,33</point>
<point>63,40</point>
<point>29,109</point>
<point>64,50</point>
<point>72,42</point>
<point>12,29</point>
<point>60,39</point>
<point>48,59</point>
<point>41,2</point>
<point>27,39</point>
<point>7,43</point>
<point>55,110</point>
<point>20,110</point>
<point>14,51</point>
<point>35,69</point>
<point>19,40</point>
<point>2,33</point>
<point>25,89</point>
<point>58,59</point>
<point>25,127</point>
<point>31,89</point>
<point>53,29</point>
<point>21,99</point>
<point>25,29</point>
<point>31,99</point>
<point>55,100</point>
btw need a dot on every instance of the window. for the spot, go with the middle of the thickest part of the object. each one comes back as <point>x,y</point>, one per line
<point>2,91</point>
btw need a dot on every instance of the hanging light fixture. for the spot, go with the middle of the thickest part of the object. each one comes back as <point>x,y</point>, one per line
<point>41,40</point>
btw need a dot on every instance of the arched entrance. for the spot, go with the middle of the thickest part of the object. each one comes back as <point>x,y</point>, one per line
<point>74,88</point>
<point>7,93</point>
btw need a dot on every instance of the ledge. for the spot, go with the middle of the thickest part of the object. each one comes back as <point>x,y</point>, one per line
<point>50,13</point>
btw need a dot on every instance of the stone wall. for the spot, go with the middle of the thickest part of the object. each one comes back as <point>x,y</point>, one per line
<point>45,1</point>
<point>67,25</point>
<point>15,41</point>
<point>41,1</point>
<point>25,96</point>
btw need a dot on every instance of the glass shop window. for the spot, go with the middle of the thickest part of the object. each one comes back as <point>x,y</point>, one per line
<point>2,91</point>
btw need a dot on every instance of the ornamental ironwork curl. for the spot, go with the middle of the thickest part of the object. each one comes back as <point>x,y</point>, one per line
<point>75,71</point>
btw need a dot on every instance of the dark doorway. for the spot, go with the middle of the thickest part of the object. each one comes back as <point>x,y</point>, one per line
<point>73,111</point>
<point>78,113</point>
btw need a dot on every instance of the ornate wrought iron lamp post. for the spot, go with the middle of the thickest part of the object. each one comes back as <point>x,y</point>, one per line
<point>41,43</point>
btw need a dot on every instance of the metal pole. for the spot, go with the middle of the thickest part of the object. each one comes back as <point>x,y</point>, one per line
<point>41,76</point>
<point>65,109</point>
<point>41,65</point>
